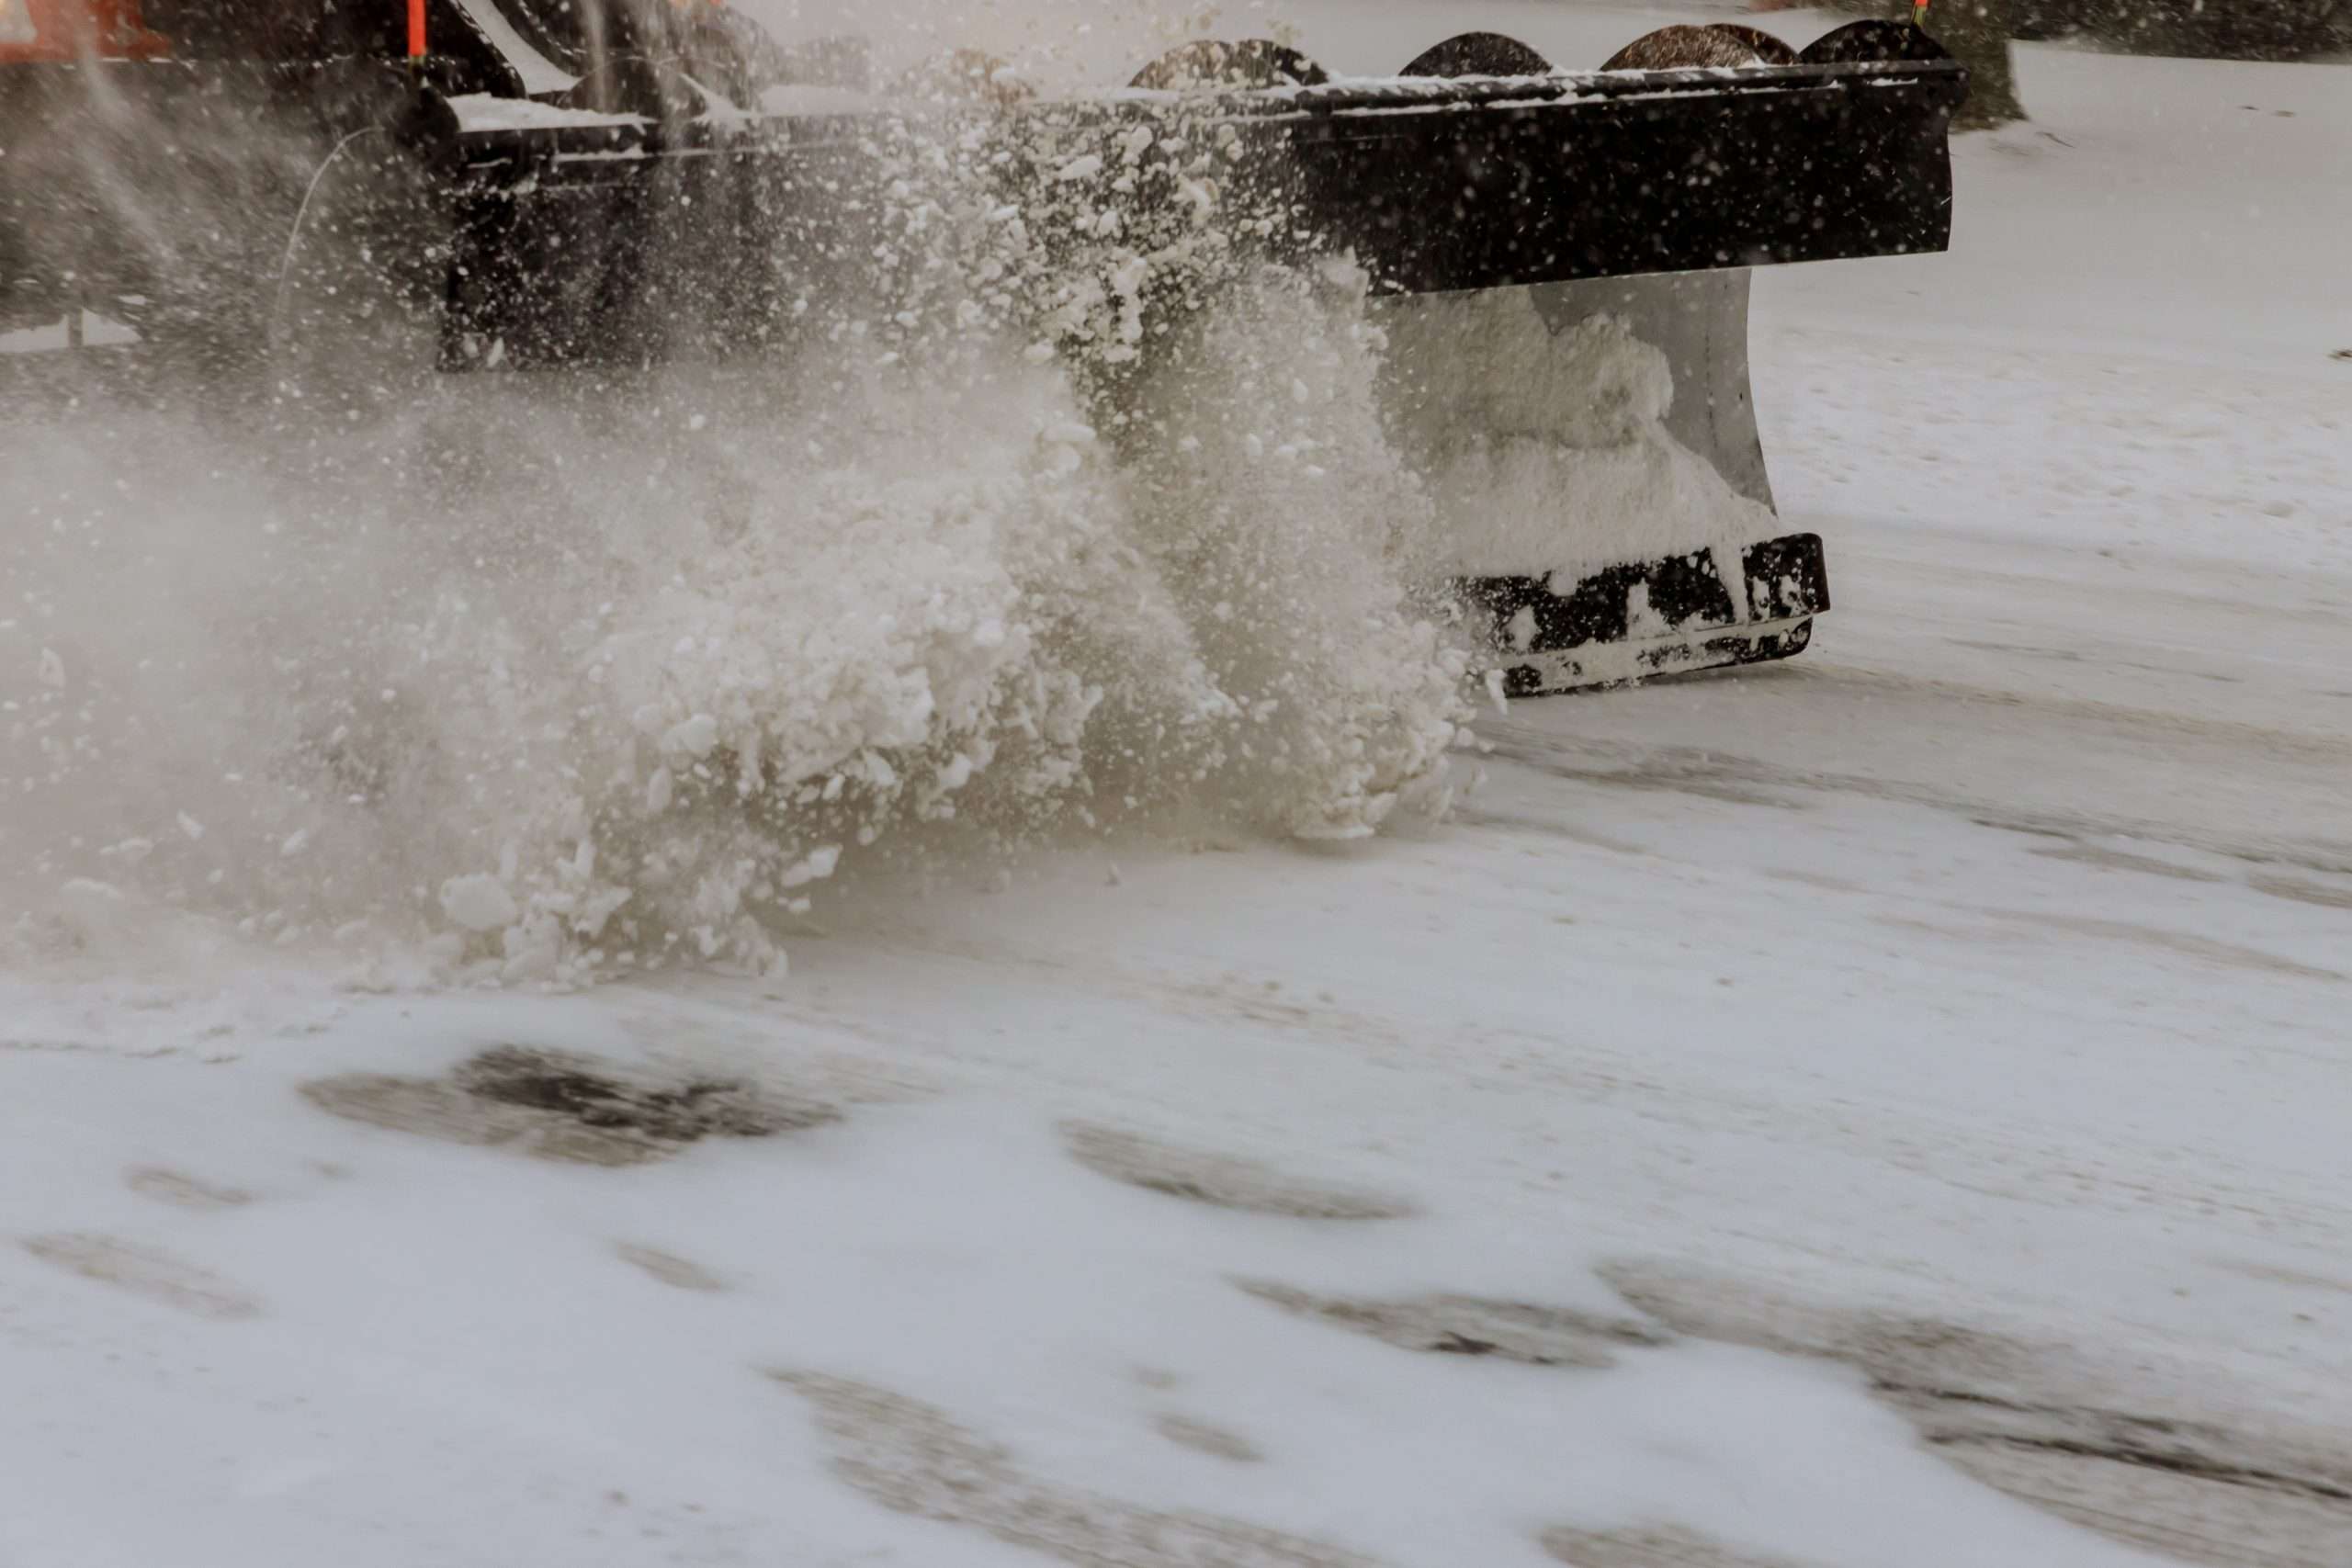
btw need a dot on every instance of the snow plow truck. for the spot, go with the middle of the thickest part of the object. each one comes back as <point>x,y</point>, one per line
<point>465,186</point>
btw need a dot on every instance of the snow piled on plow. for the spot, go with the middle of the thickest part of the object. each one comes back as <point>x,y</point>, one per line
<point>1547,453</point>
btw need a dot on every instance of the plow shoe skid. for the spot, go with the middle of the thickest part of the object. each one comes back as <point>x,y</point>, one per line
<point>1658,617</point>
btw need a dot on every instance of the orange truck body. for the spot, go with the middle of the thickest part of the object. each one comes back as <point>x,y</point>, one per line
<point>65,30</point>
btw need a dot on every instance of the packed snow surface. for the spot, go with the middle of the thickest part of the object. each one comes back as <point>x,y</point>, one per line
<point>1882,1109</point>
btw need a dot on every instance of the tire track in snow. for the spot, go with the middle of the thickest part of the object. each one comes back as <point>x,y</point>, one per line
<point>146,1272</point>
<point>1729,775</point>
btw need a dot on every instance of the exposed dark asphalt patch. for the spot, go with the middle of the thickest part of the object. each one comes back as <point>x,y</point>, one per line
<point>1667,1546</point>
<point>2033,1422</point>
<point>913,1458</point>
<point>1472,1326</point>
<point>680,1273</point>
<point>1203,1437</point>
<point>561,1106</point>
<point>590,1094</point>
<point>2107,859</point>
<point>2302,891</point>
<point>145,1272</point>
<point>1222,1182</point>
<point>182,1190</point>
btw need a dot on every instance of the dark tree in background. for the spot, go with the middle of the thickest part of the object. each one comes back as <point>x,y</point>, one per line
<point>2227,30</point>
<point>2207,30</point>
<point>1978,32</point>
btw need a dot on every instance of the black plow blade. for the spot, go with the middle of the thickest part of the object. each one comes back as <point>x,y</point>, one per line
<point>577,228</point>
<point>1484,184</point>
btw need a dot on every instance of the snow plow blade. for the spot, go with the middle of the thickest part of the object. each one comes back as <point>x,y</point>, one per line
<point>477,184</point>
<point>1494,184</point>
<point>656,191</point>
<point>1658,617</point>
<point>567,222</point>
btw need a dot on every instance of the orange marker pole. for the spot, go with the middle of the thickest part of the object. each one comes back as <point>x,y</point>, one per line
<point>415,29</point>
<point>1919,13</point>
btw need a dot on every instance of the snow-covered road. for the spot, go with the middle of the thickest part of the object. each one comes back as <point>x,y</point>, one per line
<point>1885,1110</point>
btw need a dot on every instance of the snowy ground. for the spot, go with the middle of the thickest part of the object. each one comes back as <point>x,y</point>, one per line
<point>1883,1110</point>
